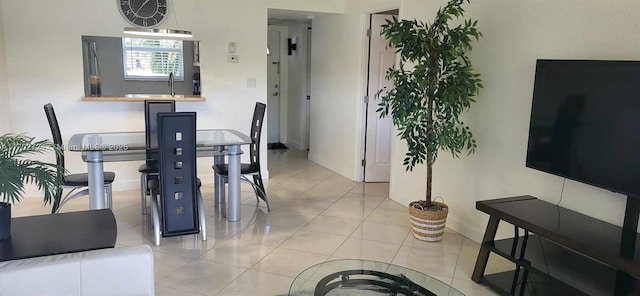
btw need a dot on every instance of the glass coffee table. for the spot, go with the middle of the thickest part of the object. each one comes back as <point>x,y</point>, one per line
<point>362,277</point>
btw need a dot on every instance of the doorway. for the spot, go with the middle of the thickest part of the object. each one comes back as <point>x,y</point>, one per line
<point>276,86</point>
<point>288,102</point>
<point>378,131</point>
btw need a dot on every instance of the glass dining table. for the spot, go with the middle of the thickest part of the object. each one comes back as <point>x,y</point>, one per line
<point>130,146</point>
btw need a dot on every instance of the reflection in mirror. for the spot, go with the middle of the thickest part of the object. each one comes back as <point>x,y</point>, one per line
<point>117,67</point>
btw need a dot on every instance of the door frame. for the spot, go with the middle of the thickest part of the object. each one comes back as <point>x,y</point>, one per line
<point>284,81</point>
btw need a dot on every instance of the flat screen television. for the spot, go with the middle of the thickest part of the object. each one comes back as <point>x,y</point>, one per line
<point>585,123</point>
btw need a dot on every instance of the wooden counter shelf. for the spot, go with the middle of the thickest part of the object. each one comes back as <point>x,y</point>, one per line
<point>140,98</point>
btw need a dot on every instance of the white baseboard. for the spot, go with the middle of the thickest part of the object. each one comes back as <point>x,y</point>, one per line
<point>296,145</point>
<point>472,231</point>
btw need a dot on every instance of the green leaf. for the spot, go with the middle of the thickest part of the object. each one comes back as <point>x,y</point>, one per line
<point>16,169</point>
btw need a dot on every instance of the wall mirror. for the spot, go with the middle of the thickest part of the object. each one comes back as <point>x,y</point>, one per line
<point>115,66</point>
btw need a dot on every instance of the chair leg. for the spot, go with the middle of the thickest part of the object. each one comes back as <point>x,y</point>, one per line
<point>258,190</point>
<point>71,195</point>
<point>109,194</point>
<point>156,219</point>
<point>143,193</point>
<point>202,215</point>
<point>222,206</point>
<point>257,179</point>
<point>80,191</point>
<point>253,185</point>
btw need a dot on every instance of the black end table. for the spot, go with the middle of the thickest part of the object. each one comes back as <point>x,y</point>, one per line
<point>53,234</point>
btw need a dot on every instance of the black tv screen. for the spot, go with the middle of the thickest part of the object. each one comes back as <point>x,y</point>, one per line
<point>585,122</point>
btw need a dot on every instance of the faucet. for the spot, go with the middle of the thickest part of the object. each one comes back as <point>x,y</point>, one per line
<point>173,92</point>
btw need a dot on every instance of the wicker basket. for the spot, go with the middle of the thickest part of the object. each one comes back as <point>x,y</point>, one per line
<point>428,225</point>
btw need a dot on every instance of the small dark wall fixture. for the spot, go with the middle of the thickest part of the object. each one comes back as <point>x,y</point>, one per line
<point>291,45</point>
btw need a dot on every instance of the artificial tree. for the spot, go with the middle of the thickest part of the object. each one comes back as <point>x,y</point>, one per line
<point>433,84</point>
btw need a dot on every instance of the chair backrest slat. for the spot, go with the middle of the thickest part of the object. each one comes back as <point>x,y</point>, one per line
<point>256,130</point>
<point>55,132</point>
<point>151,110</point>
<point>178,176</point>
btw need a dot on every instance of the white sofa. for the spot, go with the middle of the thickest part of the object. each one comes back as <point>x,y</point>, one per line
<point>113,272</point>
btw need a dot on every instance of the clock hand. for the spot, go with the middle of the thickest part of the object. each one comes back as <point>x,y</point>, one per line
<point>141,6</point>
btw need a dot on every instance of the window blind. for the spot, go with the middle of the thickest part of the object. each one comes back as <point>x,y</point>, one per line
<point>152,59</point>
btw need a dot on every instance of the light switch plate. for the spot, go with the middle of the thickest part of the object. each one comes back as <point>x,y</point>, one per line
<point>232,58</point>
<point>232,47</point>
<point>251,82</point>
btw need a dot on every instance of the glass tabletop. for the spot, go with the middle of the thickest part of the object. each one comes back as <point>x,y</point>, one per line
<point>123,141</point>
<point>362,277</point>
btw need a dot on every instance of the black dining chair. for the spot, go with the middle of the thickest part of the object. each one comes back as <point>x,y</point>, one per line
<point>150,167</point>
<point>253,167</point>
<point>74,182</point>
<point>177,206</point>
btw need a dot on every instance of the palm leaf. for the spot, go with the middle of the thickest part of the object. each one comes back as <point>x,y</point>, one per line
<point>16,169</point>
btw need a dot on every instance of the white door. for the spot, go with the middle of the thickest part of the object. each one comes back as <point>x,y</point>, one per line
<point>379,131</point>
<point>273,87</point>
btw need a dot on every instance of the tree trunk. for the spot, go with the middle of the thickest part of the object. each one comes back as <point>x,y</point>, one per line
<point>430,107</point>
<point>429,171</point>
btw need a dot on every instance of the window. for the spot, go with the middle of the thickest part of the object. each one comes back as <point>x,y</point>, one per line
<point>152,59</point>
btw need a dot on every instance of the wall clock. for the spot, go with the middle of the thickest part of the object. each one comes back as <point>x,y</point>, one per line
<point>143,13</point>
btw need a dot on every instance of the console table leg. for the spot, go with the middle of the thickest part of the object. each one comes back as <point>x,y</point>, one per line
<point>623,281</point>
<point>628,242</point>
<point>524,281</point>
<point>483,255</point>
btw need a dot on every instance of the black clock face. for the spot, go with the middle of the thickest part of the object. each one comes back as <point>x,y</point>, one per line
<point>143,13</point>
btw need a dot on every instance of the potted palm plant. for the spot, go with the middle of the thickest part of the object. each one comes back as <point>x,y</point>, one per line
<point>16,170</point>
<point>434,83</point>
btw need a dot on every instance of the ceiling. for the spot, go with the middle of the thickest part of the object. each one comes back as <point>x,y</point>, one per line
<point>283,17</point>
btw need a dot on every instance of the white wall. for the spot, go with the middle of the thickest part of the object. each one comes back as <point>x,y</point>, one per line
<point>5,107</point>
<point>297,94</point>
<point>338,65</point>
<point>44,64</point>
<point>516,33</point>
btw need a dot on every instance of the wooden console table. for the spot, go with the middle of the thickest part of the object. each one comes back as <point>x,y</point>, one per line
<point>562,252</point>
<point>140,98</point>
<point>44,235</point>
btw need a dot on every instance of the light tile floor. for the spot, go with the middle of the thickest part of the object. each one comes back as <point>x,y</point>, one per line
<point>317,215</point>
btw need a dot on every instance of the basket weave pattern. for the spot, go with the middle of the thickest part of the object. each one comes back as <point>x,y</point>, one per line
<point>428,225</point>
